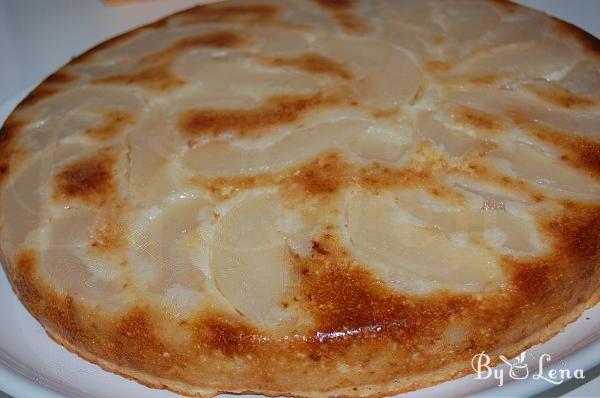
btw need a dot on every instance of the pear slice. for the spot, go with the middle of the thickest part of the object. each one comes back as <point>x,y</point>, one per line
<point>249,260</point>
<point>411,255</point>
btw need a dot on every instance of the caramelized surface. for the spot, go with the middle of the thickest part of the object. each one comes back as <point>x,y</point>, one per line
<point>302,197</point>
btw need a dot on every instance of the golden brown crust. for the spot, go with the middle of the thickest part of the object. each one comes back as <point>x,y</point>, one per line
<point>8,133</point>
<point>337,5</point>
<point>39,94</point>
<point>253,13</point>
<point>276,111</point>
<point>562,97</point>
<point>231,338</point>
<point>314,63</point>
<point>88,180</point>
<point>352,24</point>
<point>61,77</point>
<point>340,9</point>
<point>343,297</point>
<point>360,323</point>
<point>506,5</point>
<point>587,40</point>
<point>438,66</point>
<point>130,345</point>
<point>391,390</point>
<point>157,75</point>
<point>580,152</point>
<point>116,122</point>
<point>216,39</point>
<point>479,120</point>
<point>110,232</point>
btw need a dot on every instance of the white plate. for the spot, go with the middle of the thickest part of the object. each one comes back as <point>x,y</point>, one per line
<point>32,365</point>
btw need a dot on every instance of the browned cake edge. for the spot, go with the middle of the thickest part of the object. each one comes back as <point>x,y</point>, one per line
<point>51,86</point>
<point>455,371</point>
